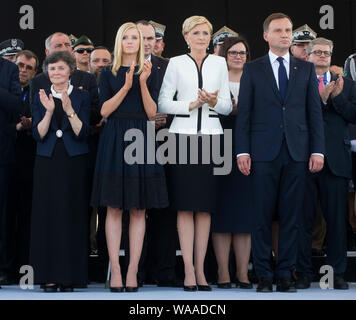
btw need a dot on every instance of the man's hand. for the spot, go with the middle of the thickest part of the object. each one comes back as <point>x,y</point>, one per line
<point>339,86</point>
<point>244,164</point>
<point>316,163</point>
<point>325,94</point>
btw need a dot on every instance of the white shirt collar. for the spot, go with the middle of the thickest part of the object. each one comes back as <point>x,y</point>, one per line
<point>149,58</point>
<point>273,57</point>
<point>59,95</point>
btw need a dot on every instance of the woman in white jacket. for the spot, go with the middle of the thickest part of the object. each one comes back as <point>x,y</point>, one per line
<point>200,83</point>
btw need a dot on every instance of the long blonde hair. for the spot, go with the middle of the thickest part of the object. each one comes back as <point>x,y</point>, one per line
<point>140,59</point>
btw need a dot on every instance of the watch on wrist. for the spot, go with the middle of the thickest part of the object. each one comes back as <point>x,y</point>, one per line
<point>71,115</point>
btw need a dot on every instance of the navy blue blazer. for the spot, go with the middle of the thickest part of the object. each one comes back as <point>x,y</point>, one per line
<point>75,145</point>
<point>78,79</point>
<point>263,118</point>
<point>11,107</point>
<point>337,114</point>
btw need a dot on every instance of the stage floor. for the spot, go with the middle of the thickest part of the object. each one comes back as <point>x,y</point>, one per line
<point>98,292</point>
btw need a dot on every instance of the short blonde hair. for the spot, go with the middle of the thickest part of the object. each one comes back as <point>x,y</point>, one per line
<point>191,22</point>
<point>118,48</point>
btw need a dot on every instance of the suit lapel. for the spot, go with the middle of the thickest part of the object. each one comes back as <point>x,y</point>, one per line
<point>293,69</point>
<point>270,76</point>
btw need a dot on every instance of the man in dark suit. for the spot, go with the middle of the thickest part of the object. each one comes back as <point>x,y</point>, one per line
<point>10,107</point>
<point>330,186</point>
<point>159,253</point>
<point>17,219</point>
<point>58,42</point>
<point>278,129</point>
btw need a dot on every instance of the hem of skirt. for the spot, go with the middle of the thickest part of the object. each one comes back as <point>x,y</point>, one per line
<point>192,209</point>
<point>129,207</point>
<point>237,232</point>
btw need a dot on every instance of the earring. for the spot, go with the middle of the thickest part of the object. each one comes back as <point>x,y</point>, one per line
<point>188,45</point>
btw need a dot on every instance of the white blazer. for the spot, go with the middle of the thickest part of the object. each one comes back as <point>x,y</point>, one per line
<point>183,77</point>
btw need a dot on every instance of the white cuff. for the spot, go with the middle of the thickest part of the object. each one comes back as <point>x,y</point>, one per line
<point>242,154</point>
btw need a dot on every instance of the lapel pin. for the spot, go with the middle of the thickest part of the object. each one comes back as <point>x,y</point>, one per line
<point>295,68</point>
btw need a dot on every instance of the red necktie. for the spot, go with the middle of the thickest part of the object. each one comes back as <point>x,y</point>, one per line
<point>321,84</point>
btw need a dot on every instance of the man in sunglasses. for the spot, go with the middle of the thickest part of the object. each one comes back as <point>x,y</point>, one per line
<point>301,38</point>
<point>82,48</point>
<point>330,185</point>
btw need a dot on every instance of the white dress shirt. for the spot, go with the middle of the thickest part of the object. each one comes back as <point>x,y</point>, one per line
<point>275,64</point>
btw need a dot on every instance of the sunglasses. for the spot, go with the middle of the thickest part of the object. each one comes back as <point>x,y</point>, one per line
<point>22,65</point>
<point>81,50</point>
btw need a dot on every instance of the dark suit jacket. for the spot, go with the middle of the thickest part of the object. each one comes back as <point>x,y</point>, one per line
<point>161,65</point>
<point>337,114</point>
<point>75,145</point>
<point>263,118</point>
<point>10,107</point>
<point>79,79</point>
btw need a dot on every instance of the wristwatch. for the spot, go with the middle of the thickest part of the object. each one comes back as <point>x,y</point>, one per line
<point>71,115</point>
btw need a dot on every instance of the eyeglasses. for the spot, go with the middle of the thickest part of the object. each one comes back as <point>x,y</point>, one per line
<point>22,65</point>
<point>236,53</point>
<point>81,50</point>
<point>320,52</point>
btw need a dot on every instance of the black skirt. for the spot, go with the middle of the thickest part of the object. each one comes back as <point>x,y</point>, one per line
<point>192,186</point>
<point>59,228</point>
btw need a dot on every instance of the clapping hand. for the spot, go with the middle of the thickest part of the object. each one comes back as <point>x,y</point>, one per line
<point>210,98</point>
<point>146,71</point>
<point>339,85</point>
<point>26,123</point>
<point>66,103</point>
<point>47,102</point>
<point>325,94</point>
<point>129,77</point>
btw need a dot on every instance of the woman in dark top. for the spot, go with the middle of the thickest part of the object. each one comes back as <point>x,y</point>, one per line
<point>124,178</point>
<point>232,223</point>
<point>59,234</point>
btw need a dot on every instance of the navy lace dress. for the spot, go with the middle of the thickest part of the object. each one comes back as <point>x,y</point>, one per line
<point>119,183</point>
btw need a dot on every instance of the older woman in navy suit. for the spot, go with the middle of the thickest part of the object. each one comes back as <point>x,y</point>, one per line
<point>61,115</point>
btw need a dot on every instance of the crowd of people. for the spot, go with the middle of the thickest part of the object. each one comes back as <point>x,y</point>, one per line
<point>69,158</point>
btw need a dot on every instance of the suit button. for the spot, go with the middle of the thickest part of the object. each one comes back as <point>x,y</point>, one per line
<point>281,126</point>
<point>284,109</point>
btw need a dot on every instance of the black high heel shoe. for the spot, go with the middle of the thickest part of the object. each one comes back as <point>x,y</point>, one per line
<point>50,288</point>
<point>224,285</point>
<point>243,285</point>
<point>117,289</point>
<point>190,288</point>
<point>131,289</point>
<point>204,288</point>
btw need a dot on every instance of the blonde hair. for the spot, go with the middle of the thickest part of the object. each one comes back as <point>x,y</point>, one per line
<point>140,59</point>
<point>191,22</point>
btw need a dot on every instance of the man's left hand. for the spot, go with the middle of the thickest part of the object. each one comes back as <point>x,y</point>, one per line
<point>316,163</point>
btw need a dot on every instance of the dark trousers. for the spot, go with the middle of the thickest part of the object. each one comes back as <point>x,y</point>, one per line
<point>161,245</point>
<point>278,186</point>
<point>332,192</point>
<point>5,175</point>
